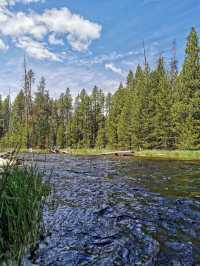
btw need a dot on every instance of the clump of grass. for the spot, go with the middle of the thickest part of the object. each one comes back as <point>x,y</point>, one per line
<point>22,193</point>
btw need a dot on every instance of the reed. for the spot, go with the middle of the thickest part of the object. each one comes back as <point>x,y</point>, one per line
<point>22,193</point>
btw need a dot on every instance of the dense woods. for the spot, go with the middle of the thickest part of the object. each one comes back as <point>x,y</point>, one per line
<point>156,108</point>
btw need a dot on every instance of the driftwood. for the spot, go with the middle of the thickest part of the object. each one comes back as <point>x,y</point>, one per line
<point>54,150</point>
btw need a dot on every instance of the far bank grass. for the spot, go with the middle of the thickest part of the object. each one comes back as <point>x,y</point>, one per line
<point>172,155</point>
<point>154,154</point>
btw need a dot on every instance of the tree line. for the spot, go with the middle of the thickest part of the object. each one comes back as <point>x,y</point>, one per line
<point>157,108</point>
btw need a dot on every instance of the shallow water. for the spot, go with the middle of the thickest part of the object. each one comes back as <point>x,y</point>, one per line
<point>105,211</point>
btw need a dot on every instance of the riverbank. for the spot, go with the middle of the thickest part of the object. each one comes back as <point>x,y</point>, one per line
<point>97,152</point>
<point>148,154</point>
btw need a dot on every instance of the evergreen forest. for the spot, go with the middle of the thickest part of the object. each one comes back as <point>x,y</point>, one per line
<point>156,108</point>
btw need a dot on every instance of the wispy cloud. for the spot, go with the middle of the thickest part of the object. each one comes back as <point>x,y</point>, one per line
<point>115,69</point>
<point>36,49</point>
<point>3,46</point>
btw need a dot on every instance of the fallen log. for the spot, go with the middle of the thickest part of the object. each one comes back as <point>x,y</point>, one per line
<point>124,153</point>
<point>56,151</point>
<point>118,153</point>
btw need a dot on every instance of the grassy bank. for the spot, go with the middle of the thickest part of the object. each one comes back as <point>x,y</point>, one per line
<point>159,154</point>
<point>21,198</point>
<point>173,155</point>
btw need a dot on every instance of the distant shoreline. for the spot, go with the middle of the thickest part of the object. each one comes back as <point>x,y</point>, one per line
<point>190,155</point>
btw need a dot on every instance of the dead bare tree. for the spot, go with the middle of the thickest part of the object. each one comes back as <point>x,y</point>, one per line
<point>29,79</point>
<point>173,64</point>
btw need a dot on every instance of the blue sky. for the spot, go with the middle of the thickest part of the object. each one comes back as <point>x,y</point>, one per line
<point>80,43</point>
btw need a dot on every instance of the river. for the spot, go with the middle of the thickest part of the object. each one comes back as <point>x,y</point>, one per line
<point>106,211</point>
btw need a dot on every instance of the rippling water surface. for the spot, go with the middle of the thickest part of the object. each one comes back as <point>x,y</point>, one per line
<point>105,211</point>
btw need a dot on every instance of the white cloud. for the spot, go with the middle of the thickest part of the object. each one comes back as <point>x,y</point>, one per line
<point>3,46</point>
<point>77,31</point>
<point>115,69</point>
<point>80,32</point>
<point>54,40</point>
<point>21,24</point>
<point>77,44</point>
<point>36,49</point>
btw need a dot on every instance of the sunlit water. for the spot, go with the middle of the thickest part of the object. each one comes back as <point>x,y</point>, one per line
<point>105,211</point>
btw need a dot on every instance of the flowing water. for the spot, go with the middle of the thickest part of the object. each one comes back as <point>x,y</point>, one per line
<point>106,211</point>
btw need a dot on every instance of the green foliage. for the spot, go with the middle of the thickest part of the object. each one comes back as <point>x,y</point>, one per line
<point>116,108</point>
<point>60,137</point>
<point>101,139</point>
<point>186,111</point>
<point>42,115</point>
<point>21,197</point>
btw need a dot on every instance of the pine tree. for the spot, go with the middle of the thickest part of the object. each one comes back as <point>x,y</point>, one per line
<point>101,140</point>
<point>108,103</point>
<point>97,113</point>
<point>53,121</point>
<point>163,131</point>
<point>141,109</point>
<point>42,115</point>
<point>136,107</point>
<point>117,105</point>
<point>1,119</point>
<point>6,112</point>
<point>80,126</point>
<point>124,129</point>
<point>64,111</point>
<point>60,136</point>
<point>18,120</point>
<point>130,80</point>
<point>186,111</point>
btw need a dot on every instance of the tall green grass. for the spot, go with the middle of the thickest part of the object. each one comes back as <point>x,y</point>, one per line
<point>22,194</point>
